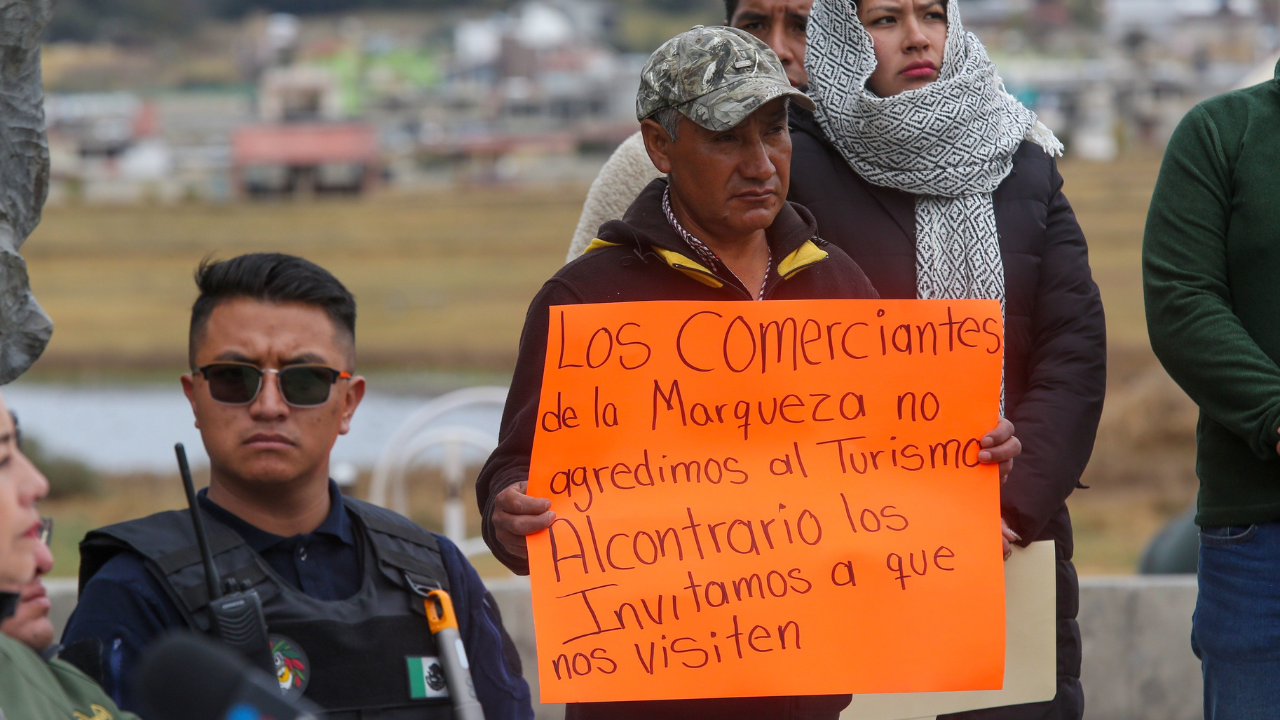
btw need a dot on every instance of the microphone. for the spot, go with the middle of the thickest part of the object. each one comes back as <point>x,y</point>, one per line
<point>189,677</point>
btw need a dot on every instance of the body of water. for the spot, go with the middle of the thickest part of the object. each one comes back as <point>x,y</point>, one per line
<point>132,429</point>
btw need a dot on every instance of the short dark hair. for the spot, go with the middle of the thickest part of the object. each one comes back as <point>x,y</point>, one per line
<point>730,7</point>
<point>273,278</point>
<point>669,119</point>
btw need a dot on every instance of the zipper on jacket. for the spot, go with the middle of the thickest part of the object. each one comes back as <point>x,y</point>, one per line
<point>724,282</point>
<point>682,269</point>
<point>775,278</point>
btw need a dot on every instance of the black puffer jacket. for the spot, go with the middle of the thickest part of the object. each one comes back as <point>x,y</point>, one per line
<point>1055,360</point>
<point>642,258</point>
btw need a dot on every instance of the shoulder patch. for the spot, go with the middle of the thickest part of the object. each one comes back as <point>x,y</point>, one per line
<point>99,713</point>
<point>293,668</point>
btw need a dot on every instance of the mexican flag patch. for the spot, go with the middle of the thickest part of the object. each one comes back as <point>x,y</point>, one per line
<point>426,678</point>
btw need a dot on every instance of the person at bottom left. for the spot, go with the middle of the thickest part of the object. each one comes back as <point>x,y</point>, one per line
<point>33,686</point>
<point>30,622</point>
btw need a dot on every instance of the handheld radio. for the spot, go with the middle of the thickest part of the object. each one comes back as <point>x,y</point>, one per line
<point>237,612</point>
<point>457,671</point>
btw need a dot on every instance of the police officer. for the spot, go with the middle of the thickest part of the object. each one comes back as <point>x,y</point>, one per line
<point>272,385</point>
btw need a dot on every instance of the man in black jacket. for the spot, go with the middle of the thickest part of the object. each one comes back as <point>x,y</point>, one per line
<point>717,228</point>
<point>720,229</point>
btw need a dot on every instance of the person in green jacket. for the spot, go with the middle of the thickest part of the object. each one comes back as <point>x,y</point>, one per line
<point>1211,272</point>
<point>31,687</point>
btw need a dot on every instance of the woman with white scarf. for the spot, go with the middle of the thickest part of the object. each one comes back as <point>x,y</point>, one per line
<point>939,184</point>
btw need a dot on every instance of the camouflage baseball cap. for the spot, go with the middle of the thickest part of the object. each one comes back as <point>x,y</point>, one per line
<point>715,76</point>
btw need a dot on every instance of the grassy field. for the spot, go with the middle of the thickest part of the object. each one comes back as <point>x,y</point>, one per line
<point>440,280</point>
<point>1143,467</point>
<point>443,283</point>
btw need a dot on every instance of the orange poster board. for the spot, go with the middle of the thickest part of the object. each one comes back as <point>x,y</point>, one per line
<point>768,498</point>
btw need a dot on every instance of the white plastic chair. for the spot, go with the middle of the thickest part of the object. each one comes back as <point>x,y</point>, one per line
<point>420,433</point>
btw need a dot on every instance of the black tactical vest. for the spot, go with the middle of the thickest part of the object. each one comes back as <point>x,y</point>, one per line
<point>356,650</point>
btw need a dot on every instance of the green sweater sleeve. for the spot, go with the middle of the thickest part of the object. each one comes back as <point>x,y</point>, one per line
<point>1194,331</point>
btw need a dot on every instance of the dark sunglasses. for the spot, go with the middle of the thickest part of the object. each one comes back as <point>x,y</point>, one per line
<point>46,530</point>
<point>301,385</point>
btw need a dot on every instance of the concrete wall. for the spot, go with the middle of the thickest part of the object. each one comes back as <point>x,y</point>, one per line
<point>62,595</point>
<point>1138,663</point>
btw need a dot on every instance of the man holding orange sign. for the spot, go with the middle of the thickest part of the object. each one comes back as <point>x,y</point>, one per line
<point>714,118</point>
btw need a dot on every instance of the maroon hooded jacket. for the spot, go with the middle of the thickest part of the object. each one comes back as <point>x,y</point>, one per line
<point>641,257</point>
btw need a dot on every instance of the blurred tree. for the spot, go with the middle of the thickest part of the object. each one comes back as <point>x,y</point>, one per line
<point>127,21</point>
<point>130,21</point>
<point>643,25</point>
<point>67,477</point>
<point>124,21</point>
<point>1086,13</point>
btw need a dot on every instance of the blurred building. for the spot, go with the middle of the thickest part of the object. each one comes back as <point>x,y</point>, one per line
<point>1121,73</point>
<point>304,157</point>
<point>527,92</point>
<point>541,94</point>
<point>302,142</point>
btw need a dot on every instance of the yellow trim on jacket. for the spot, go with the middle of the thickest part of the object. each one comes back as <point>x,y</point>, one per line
<point>802,257</point>
<point>597,244</point>
<point>689,267</point>
<point>806,255</point>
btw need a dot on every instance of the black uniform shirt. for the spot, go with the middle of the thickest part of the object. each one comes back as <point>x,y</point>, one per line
<point>323,564</point>
<point>130,608</point>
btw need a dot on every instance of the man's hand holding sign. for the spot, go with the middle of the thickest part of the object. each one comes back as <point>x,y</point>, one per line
<point>767,499</point>
<point>517,514</point>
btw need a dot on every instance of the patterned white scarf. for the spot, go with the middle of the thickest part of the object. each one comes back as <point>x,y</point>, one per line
<point>950,142</point>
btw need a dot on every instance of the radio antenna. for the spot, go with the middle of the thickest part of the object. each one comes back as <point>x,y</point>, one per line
<point>210,572</point>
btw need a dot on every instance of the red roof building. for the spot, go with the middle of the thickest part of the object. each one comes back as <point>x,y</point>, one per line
<point>288,157</point>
